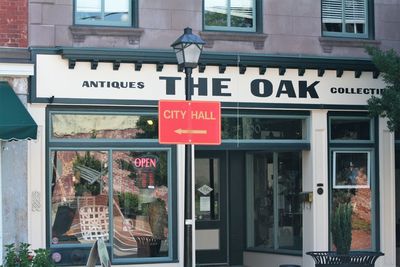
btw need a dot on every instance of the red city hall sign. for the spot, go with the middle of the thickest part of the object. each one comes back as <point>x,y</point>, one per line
<point>189,122</point>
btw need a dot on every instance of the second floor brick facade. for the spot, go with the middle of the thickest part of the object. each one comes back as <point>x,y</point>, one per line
<point>279,27</point>
<point>14,23</point>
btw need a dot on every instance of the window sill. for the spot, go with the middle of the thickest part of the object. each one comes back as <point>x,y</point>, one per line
<point>327,43</point>
<point>258,39</point>
<point>79,33</point>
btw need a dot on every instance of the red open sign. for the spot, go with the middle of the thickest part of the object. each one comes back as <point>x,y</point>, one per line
<point>145,162</point>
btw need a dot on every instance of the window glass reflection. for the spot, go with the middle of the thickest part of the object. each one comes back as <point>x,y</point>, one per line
<point>216,12</point>
<point>94,126</point>
<point>80,205</point>
<point>274,214</point>
<point>140,183</point>
<point>242,13</point>
<point>289,204</point>
<point>234,14</point>
<point>263,224</point>
<point>102,12</point>
<point>79,196</point>
<point>352,185</point>
<point>351,129</point>
<point>250,128</point>
<point>207,176</point>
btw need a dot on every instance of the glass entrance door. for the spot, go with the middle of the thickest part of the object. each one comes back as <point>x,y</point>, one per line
<point>274,212</point>
<point>211,208</point>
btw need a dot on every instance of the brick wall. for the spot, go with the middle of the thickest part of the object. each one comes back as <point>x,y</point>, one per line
<point>14,23</point>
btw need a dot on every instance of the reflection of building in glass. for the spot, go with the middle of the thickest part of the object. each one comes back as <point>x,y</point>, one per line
<point>361,202</point>
<point>80,199</point>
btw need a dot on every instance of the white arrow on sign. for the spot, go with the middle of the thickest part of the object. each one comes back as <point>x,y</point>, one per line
<point>183,131</point>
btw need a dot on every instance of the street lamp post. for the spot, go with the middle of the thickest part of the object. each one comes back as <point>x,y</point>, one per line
<point>188,48</point>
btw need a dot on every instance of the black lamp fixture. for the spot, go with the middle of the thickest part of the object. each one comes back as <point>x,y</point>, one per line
<point>188,48</point>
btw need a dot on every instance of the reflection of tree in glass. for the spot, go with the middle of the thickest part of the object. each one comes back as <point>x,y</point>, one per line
<point>342,196</point>
<point>93,134</point>
<point>230,128</point>
<point>344,176</point>
<point>147,127</point>
<point>215,19</point>
<point>161,170</point>
<point>158,218</point>
<point>83,185</point>
<point>129,203</point>
<point>237,21</point>
<point>125,165</point>
<point>240,17</point>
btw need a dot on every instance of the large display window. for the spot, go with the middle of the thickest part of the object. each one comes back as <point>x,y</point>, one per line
<point>105,184</point>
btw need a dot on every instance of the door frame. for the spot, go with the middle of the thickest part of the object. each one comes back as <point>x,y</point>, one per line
<point>221,256</point>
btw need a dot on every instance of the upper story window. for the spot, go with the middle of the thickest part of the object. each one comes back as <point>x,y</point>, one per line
<point>230,15</point>
<point>346,18</point>
<point>104,12</point>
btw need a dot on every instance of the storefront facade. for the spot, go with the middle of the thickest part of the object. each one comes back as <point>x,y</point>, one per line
<point>296,140</point>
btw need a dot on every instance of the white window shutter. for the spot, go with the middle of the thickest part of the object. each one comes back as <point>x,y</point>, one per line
<point>242,8</point>
<point>88,6</point>
<point>117,6</point>
<point>332,11</point>
<point>355,11</point>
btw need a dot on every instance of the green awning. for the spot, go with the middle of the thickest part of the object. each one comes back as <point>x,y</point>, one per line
<point>15,121</point>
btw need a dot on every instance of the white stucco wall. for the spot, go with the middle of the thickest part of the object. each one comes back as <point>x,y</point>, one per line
<point>387,196</point>
<point>13,166</point>
<point>36,181</point>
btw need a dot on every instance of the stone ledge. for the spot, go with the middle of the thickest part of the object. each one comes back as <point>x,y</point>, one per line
<point>258,39</point>
<point>42,1</point>
<point>14,54</point>
<point>327,43</point>
<point>79,33</point>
